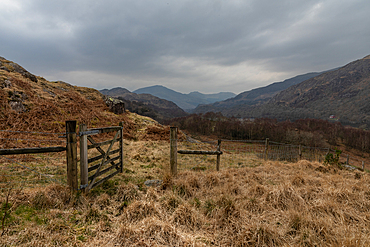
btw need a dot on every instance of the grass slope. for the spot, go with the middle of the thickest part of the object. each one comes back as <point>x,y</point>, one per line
<point>260,204</point>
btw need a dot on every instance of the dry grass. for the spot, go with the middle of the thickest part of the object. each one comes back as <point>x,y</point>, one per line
<point>267,204</point>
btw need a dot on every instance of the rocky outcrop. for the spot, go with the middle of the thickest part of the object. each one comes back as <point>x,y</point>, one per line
<point>13,67</point>
<point>16,101</point>
<point>115,105</point>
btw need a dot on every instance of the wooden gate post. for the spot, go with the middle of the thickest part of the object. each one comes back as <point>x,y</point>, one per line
<point>266,148</point>
<point>173,151</point>
<point>84,173</point>
<point>71,154</point>
<point>121,147</point>
<point>218,155</point>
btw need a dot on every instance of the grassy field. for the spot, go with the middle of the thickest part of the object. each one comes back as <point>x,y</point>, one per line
<point>250,202</point>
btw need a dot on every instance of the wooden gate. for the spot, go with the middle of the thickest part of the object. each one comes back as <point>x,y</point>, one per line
<point>108,162</point>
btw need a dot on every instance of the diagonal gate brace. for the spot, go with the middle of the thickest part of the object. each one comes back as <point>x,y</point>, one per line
<point>102,162</point>
<point>101,151</point>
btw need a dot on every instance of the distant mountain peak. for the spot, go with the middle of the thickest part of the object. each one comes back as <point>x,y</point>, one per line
<point>255,96</point>
<point>185,101</point>
<point>117,91</point>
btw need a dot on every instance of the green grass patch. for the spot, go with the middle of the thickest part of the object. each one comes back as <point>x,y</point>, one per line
<point>27,213</point>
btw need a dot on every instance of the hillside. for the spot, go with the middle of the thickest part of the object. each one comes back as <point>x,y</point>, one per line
<point>114,92</point>
<point>32,103</point>
<point>255,96</point>
<point>146,104</point>
<point>344,93</point>
<point>185,101</point>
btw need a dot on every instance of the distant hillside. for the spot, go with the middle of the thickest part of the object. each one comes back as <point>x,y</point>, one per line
<point>184,101</point>
<point>255,96</point>
<point>342,94</point>
<point>146,104</point>
<point>114,92</point>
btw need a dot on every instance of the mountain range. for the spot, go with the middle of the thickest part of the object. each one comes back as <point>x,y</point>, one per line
<point>255,96</point>
<point>161,103</point>
<point>341,94</point>
<point>146,104</point>
<point>185,101</point>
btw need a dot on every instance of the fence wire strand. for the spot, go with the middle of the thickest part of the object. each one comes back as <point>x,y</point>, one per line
<point>240,153</point>
<point>30,170</point>
<point>32,132</point>
<point>15,163</point>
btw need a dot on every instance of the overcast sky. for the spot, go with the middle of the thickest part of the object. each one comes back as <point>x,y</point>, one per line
<point>196,45</point>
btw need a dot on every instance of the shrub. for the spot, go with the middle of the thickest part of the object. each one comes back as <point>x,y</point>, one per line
<point>333,159</point>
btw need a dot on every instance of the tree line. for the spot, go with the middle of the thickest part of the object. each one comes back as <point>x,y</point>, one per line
<point>308,132</point>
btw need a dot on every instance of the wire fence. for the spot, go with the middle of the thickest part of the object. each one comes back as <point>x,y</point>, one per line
<point>35,170</point>
<point>242,153</point>
<point>31,170</point>
<point>196,162</point>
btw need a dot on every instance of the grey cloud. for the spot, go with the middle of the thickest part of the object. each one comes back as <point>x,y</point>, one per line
<point>133,38</point>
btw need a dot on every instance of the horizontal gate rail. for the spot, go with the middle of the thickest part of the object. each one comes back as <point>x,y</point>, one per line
<point>96,131</point>
<point>99,148</point>
<point>92,168</point>
<point>103,171</point>
<point>99,144</point>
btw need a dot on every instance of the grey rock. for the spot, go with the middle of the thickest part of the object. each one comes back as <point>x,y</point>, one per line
<point>153,183</point>
<point>22,71</point>
<point>4,68</point>
<point>6,84</point>
<point>115,105</point>
<point>50,92</point>
<point>17,106</point>
<point>350,168</point>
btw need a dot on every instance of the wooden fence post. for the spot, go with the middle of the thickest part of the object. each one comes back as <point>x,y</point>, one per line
<point>121,146</point>
<point>300,152</point>
<point>266,148</point>
<point>71,154</point>
<point>363,165</point>
<point>347,162</point>
<point>84,173</point>
<point>173,150</point>
<point>218,155</point>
